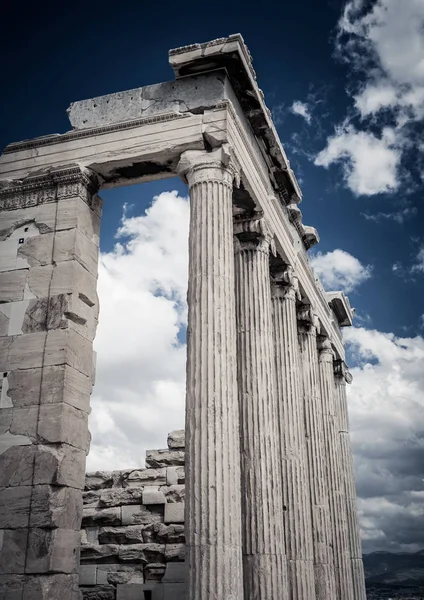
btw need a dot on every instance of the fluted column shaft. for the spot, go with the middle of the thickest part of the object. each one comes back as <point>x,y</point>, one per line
<point>315,446</point>
<point>213,502</point>
<point>290,418</point>
<point>354,538</point>
<point>334,476</point>
<point>264,563</point>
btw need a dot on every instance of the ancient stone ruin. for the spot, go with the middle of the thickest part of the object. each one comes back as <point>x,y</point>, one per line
<point>269,503</point>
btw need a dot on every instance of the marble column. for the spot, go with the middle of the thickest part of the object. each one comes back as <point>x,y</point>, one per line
<point>358,579</point>
<point>336,495</point>
<point>290,419</point>
<point>315,448</point>
<point>213,500</point>
<point>264,562</point>
<point>48,316</point>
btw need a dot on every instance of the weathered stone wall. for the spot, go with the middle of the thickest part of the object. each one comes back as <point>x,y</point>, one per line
<point>132,537</point>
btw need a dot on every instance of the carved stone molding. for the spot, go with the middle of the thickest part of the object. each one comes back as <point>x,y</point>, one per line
<point>325,349</point>
<point>50,186</point>
<point>308,320</point>
<point>341,371</point>
<point>253,233</point>
<point>285,284</point>
<point>220,165</point>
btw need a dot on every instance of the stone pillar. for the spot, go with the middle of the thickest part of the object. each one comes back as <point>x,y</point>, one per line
<point>290,418</point>
<point>336,495</point>
<point>315,448</point>
<point>48,316</point>
<point>342,376</point>
<point>264,561</point>
<point>213,501</point>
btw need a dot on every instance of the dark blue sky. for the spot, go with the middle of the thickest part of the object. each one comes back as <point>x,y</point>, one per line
<point>57,53</point>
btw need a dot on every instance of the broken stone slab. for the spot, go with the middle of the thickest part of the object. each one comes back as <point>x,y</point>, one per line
<point>143,477</point>
<point>99,553</point>
<point>132,534</point>
<point>98,480</point>
<point>174,493</point>
<point>60,465</point>
<point>12,285</point>
<point>64,423</point>
<point>22,351</point>
<point>174,552</point>
<point>52,551</point>
<point>99,592</point>
<point>47,587</point>
<point>16,463</point>
<point>154,572</point>
<point>35,251</point>
<point>93,517</point>
<point>174,512</point>
<point>145,553</point>
<point>43,217</point>
<point>168,534</point>
<point>111,573</point>
<point>152,495</point>
<point>19,422</point>
<point>171,96</point>
<point>91,498</point>
<point>176,439</point>
<point>121,577</point>
<point>90,535</point>
<point>54,506</point>
<point>13,544</point>
<point>164,458</point>
<point>175,475</point>
<point>120,497</point>
<point>15,507</point>
<point>23,387</point>
<point>135,515</point>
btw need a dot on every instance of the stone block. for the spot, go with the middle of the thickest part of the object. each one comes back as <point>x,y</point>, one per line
<point>90,535</point>
<point>23,421</point>
<point>13,543</point>
<point>88,575</point>
<point>12,285</point>
<point>152,495</point>
<point>145,553</point>
<point>164,458</point>
<point>143,477</point>
<point>133,534</point>
<point>175,475</point>
<point>96,517</point>
<point>17,462</point>
<point>72,244</point>
<point>98,480</point>
<point>67,347</point>
<point>154,571</point>
<point>168,534</point>
<point>14,507</point>
<point>174,493</point>
<point>120,497</point>
<point>135,515</point>
<point>75,213</point>
<point>176,572</point>
<point>99,592</point>
<point>24,387</point>
<point>54,506</point>
<point>11,586</point>
<point>99,553</point>
<point>175,591</point>
<point>52,586</point>
<point>59,465</point>
<point>66,384</point>
<point>70,277</point>
<point>91,498</point>
<point>40,218</point>
<point>64,423</point>
<point>53,551</point>
<point>174,552</point>
<point>174,512</point>
<point>119,574</point>
<point>36,251</point>
<point>176,439</point>
<point>22,351</point>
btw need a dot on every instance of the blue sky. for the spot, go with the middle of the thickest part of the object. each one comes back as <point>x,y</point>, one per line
<point>345,84</point>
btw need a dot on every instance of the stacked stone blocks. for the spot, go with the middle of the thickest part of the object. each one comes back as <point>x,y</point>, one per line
<point>132,537</point>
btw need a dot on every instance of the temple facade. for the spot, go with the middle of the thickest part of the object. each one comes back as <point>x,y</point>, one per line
<point>269,506</point>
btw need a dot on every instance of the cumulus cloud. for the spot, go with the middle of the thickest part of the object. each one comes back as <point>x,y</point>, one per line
<point>301,109</point>
<point>339,270</point>
<point>384,48</point>
<point>386,401</point>
<point>369,162</point>
<point>140,380</point>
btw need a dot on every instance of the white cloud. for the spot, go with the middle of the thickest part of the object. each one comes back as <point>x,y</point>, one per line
<point>399,216</point>
<point>386,401</point>
<point>339,270</point>
<point>140,381</point>
<point>369,163</point>
<point>301,109</point>
<point>418,266</point>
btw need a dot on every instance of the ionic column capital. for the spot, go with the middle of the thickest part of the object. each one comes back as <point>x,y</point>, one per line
<point>325,349</point>
<point>308,321</point>
<point>253,233</point>
<point>286,285</point>
<point>341,372</point>
<point>220,165</point>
